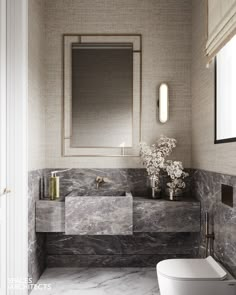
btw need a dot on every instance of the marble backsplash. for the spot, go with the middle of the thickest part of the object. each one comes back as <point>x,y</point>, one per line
<point>207,188</point>
<point>83,181</point>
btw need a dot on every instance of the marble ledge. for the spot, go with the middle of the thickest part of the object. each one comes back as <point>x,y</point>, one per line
<point>50,216</point>
<point>150,260</point>
<point>136,244</point>
<point>166,216</point>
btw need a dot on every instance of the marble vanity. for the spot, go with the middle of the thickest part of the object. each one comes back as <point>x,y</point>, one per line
<point>117,215</point>
<point>99,215</point>
<point>161,229</point>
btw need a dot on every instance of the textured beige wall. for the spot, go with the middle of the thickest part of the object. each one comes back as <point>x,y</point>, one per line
<point>166,29</point>
<point>205,154</point>
<point>36,108</point>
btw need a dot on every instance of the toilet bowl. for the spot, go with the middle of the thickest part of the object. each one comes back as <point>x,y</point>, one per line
<point>194,277</point>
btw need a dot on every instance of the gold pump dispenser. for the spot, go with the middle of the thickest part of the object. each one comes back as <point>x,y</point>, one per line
<point>54,185</point>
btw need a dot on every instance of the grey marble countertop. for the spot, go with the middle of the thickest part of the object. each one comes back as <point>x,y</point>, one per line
<point>185,198</point>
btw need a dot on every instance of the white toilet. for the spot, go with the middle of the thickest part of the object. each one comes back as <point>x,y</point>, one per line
<point>194,277</point>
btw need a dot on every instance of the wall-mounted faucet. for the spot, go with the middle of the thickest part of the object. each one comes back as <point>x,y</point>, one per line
<point>100,180</point>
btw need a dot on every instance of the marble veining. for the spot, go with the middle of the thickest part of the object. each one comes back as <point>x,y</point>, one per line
<point>36,241</point>
<point>99,281</point>
<point>50,216</point>
<point>99,215</point>
<point>139,249</point>
<point>83,181</point>
<point>166,216</point>
<point>207,188</point>
<point>122,260</point>
<point>136,244</point>
<point>117,215</point>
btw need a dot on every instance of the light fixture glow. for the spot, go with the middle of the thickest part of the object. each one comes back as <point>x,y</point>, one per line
<point>163,103</point>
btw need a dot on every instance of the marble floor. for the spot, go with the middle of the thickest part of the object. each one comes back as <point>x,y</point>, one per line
<point>98,281</point>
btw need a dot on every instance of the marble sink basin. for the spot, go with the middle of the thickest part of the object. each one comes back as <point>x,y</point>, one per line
<point>98,193</point>
<point>103,213</point>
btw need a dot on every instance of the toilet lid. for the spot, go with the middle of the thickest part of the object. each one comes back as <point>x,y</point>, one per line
<point>191,269</point>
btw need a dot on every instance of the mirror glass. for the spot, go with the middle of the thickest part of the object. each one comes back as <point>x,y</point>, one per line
<point>102,95</point>
<point>225,104</point>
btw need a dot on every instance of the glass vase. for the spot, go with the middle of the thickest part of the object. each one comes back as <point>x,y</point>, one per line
<point>155,189</point>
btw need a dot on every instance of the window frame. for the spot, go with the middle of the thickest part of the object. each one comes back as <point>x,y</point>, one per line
<point>225,140</point>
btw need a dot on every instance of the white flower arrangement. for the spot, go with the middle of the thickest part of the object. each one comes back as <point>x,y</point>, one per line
<point>154,158</point>
<point>175,171</point>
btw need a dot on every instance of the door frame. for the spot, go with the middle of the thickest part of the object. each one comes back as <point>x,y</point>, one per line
<point>3,140</point>
<point>17,164</point>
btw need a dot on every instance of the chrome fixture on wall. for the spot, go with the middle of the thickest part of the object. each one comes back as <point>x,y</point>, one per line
<point>210,236</point>
<point>99,180</point>
<point>163,103</point>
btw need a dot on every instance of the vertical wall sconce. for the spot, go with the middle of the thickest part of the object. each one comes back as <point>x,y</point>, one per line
<point>163,103</point>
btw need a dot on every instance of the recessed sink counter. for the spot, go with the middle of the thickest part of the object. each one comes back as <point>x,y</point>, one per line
<point>122,214</point>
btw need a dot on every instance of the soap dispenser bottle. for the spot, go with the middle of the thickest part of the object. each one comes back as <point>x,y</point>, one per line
<point>54,186</point>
